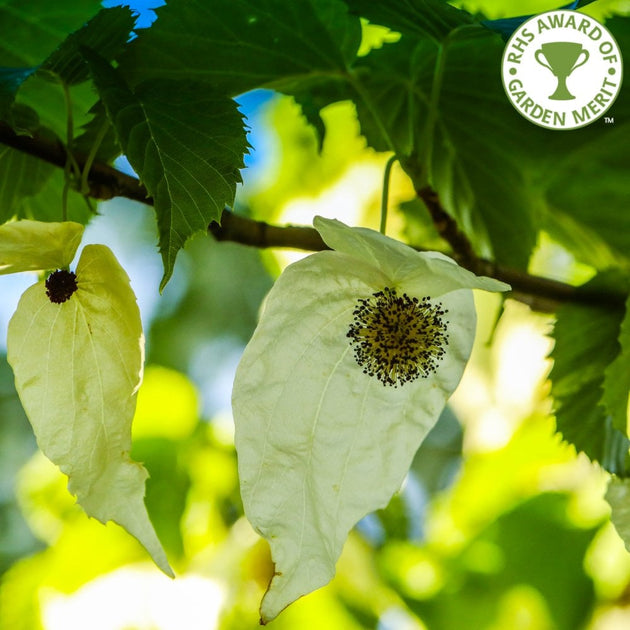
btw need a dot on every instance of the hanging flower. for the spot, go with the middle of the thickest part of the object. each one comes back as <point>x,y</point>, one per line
<point>354,358</point>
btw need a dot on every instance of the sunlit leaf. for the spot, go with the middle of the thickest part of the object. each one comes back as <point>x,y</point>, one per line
<point>31,187</point>
<point>510,558</point>
<point>185,141</point>
<point>585,344</point>
<point>618,497</point>
<point>320,442</point>
<point>435,273</point>
<point>23,176</point>
<point>78,365</point>
<point>34,245</point>
<point>168,405</point>
<point>617,378</point>
<point>47,204</point>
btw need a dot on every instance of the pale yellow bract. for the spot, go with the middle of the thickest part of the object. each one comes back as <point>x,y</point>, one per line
<point>34,245</point>
<point>320,443</point>
<point>78,366</point>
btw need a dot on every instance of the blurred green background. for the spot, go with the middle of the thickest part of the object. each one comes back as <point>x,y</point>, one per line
<point>499,525</point>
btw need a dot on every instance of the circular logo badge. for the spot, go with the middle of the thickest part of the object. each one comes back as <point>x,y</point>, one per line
<point>562,70</point>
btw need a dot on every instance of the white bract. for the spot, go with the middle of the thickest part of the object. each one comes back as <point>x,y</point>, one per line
<point>355,355</point>
<point>77,349</point>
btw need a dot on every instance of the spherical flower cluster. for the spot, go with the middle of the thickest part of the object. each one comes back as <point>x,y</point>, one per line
<point>397,338</point>
<point>60,285</point>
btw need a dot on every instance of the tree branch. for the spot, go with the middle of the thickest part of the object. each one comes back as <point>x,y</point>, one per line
<point>542,294</point>
<point>240,229</point>
<point>447,227</point>
<point>106,182</point>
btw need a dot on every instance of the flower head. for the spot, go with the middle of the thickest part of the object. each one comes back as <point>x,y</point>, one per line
<point>60,285</point>
<point>355,355</point>
<point>397,338</point>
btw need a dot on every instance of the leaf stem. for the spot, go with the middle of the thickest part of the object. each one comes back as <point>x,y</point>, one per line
<point>71,163</point>
<point>71,168</point>
<point>100,136</point>
<point>425,152</point>
<point>385,195</point>
<point>64,201</point>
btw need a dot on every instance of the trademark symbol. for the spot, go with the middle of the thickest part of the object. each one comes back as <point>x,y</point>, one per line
<point>609,120</point>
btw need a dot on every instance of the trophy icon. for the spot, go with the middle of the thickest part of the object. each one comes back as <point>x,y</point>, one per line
<point>562,60</point>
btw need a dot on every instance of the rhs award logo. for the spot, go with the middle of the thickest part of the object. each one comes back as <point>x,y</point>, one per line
<point>562,70</point>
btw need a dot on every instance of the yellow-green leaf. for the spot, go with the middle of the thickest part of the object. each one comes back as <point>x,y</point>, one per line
<point>33,245</point>
<point>618,497</point>
<point>78,366</point>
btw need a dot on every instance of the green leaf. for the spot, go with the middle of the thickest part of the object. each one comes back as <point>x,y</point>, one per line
<point>78,366</point>
<point>167,489</point>
<point>47,205</point>
<point>314,93</point>
<point>418,228</point>
<point>186,143</point>
<point>585,344</point>
<point>509,561</point>
<point>617,378</point>
<point>22,176</point>
<point>25,120</point>
<point>344,30</point>
<point>33,245</point>
<point>98,129</point>
<point>32,188</point>
<point>618,497</point>
<point>320,442</point>
<point>239,45</point>
<point>441,107</point>
<point>10,81</point>
<point>416,100</point>
<point>106,34</point>
<point>576,237</point>
<point>47,99</point>
<point>590,184</point>
<point>424,18</point>
<point>29,32</point>
<point>583,175</point>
